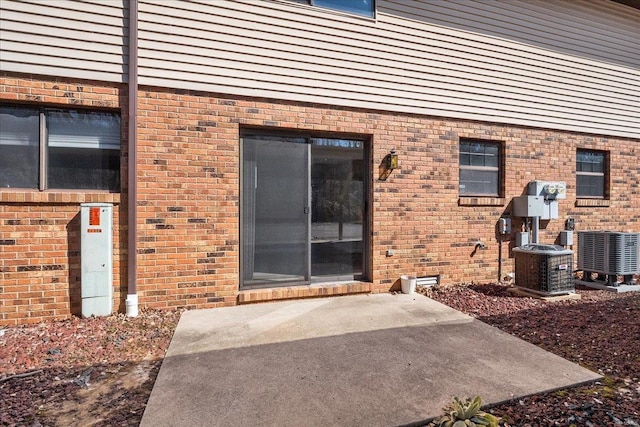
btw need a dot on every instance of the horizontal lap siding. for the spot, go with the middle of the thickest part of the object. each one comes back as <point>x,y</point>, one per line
<point>79,39</point>
<point>565,65</point>
<point>570,65</point>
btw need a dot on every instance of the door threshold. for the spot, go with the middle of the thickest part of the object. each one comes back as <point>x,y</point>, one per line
<point>316,290</point>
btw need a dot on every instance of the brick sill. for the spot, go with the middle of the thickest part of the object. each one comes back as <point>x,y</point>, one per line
<point>593,203</point>
<point>309,291</point>
<point>481,201</point>
<point>59,197</point>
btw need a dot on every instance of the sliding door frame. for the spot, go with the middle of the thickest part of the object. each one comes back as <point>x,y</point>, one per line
<point>366,208</point>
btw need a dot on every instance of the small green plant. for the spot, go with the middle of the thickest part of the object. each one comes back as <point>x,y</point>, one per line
<point>466,414</point>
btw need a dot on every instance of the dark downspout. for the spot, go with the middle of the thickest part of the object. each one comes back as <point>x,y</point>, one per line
<point>132,195</point>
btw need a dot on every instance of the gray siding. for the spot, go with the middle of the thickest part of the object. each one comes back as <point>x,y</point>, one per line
<point>563,64</point>
<point>83,39</point>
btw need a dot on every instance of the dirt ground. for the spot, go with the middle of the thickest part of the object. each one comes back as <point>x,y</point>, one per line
<point>81,372</point>
<point>100,371</point>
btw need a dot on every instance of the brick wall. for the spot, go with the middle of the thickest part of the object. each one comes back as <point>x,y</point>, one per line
<point>188,201</point>
<point>40,231</point>
<point>190,191</point>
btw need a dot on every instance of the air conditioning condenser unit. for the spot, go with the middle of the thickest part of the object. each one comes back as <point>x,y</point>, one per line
<point>610,254</point>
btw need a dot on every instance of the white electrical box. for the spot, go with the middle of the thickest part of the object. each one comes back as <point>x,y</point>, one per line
<point>566,238</point>
<point>522,238</point>
<point>550,210</point>
<point>96,258</point>
<point>550,192</point>
<point>528,206</point>
<point>504,225</point>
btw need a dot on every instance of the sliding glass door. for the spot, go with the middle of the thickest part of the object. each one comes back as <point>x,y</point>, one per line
<point>275,210</point>
<point>302,210</point>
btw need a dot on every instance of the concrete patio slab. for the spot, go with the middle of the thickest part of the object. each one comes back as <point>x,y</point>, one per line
<point>374,360</point>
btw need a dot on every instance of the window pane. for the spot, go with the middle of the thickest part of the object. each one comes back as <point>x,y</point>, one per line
<point>482,177</point>
<point>337,207</point>
<point>479,182</point>
<point>597,162</point>
<point>83,150</point>
<point>477,160</point>
<point>361,7</point>
<point>590,161</point>
<point>479,154</point>
<point>591,173</point>
<point>491,155</point>
<point>81,168</point>
<point>275,221</point>
<point>19,153</point>
<point>465,156</point>
<point>590,185</point>
<point>83,129</point>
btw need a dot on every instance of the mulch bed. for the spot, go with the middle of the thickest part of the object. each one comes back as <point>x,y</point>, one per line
<point>100,371</point>
<point>600,331</point>
<point>94,371</point>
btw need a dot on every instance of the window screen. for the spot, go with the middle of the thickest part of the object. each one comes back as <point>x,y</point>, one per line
<point>590,174</point>
<point>479,168</point>
<point>19,147</point>
<point>83,150</point>
<point>79,150</point>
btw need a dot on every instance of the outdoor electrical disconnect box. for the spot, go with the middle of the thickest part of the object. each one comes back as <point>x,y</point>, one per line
<point>528,206</point>
<point>566,238</point>
<point>522,238</point>
<point>96,258</point>
<point>504,225</point>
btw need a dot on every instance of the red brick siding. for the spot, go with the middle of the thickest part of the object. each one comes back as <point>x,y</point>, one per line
<point>40,231</point>
<point>190,141</point>
<point>188,225</point>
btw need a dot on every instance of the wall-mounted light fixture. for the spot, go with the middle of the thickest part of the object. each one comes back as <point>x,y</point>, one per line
<point>389,163</point>
<point>392,160</point>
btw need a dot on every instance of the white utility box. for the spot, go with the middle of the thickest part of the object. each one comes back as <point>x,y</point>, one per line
<point>96,258</point>
<point>522,238</point>
<point>528,206</point>
<point>566,238</point>
<point>551,192</point>
<point>550,209</point>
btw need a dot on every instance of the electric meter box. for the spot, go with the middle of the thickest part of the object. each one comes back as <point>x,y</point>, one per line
<point>548,189</point>
<point>550,192</point>
<point>96,258</point>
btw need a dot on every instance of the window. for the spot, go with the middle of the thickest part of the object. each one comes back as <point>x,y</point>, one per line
<point>591,174</point>
<point>479,168</point>
<point>59,149</point>
<point>358,7</point>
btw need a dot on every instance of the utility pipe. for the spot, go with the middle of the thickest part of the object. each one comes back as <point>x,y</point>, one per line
<point>132,195</point>
<point>536,229</point>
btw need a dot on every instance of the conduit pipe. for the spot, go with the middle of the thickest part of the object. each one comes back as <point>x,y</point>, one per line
<point>132,195</point>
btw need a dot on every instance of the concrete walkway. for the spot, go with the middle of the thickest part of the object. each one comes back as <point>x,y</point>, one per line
<point>366,360</point>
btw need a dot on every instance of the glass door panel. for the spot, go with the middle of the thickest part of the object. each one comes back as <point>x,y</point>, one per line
<point>337,207</point>
<point>275,210</point>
